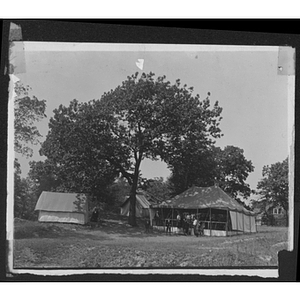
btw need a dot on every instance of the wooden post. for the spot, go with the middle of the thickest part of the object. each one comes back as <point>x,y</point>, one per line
<point>255,224</point>
<point>237,226</point>
<point>227,222</point>
<point>243,223</point>
<point>162,215</point>
<point>210,220</point>
<point>172,219</point>
<point>250,222</point>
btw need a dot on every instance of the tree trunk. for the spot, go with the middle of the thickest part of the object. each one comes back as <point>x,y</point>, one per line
<point>132,210</point>
<point>132,197</point>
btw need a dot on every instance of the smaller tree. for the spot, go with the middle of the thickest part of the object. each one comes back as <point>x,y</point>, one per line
<point>274,186</point>
<point>24,200</point>
<point>156,187</point>
<point>43,176</point>
<point>231,171</point>
<point>76,134</point>
<point>28,110</point>
<point>204,167</point>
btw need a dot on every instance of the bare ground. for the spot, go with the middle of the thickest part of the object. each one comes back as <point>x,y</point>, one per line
<point>114,244</point>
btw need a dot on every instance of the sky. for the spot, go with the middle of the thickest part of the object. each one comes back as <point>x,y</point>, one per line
<point>244,80</point>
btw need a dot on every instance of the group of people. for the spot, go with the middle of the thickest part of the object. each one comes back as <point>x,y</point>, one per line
<point>187,223</point>
<point>190,223</point>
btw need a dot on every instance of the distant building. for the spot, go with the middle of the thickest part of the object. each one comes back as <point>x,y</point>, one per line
<point>279,215</point>
<point>270,214</point>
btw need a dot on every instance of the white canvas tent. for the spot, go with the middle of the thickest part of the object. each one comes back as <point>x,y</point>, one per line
<point>142,207</point>
<point>212,202</point>
<point>62,207</point>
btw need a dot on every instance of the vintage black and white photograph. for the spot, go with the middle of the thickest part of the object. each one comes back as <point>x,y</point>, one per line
<point>150,157</point>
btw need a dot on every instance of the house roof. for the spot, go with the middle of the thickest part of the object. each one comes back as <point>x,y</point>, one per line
<point>63,202</point>
<point>204,197</point>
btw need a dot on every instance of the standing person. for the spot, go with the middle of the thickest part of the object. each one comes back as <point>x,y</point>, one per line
<point>201,228</point>
<point>94,217</point>
<point>147,225</point>
<point>195,226</point>
<point>188,227</point>
<point>156,218</point>
<point>168,226</point>
<point>179,222</point>
<point>178,218</point>
<point>185,226</point>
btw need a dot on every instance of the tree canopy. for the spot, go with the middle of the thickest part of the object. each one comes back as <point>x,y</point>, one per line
<point>274,186</point>
<point>226,167</point>
<point>142,118</point>
<point>28,110</point>
<point>157,187</point>
<point>231,171</point>
<point>72,148</point>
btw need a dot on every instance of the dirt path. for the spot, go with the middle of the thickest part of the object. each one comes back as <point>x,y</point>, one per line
<point>115,245</point>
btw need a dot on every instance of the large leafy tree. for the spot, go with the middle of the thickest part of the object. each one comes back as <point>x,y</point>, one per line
<point>152,118</point>
<point>142,118</point>
<point>274,186</point>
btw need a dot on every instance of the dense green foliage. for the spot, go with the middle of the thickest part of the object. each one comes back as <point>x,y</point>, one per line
<point>274,186</point>
<point>28,110</point>
<point>93,143</point>
<point>156,187</point>
<point>24,198</point>
<point>232,170</point>
<point>226,167</point>
<point>97,147</point>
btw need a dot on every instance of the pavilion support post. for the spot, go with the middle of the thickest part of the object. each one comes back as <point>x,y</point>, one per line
<point>172,219</point>
<point>250,222</point>
<point>210,220</point>
<point>162,216</point>
<point>227,222</point>
<point>255,224</point>
<point>237,224</point>
<point>243,223</point>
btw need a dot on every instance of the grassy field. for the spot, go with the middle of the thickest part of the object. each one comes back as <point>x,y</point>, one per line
<point>114,244</point>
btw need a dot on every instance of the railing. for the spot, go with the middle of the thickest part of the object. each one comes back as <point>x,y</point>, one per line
<point>213,225</point>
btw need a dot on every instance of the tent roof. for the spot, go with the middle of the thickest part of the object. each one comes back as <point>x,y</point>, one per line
<point>144,198</point>
<point>204,197</point>
<point>63,202</point>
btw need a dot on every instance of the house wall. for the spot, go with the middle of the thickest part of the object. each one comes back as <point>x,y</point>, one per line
<point>274,218</point>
